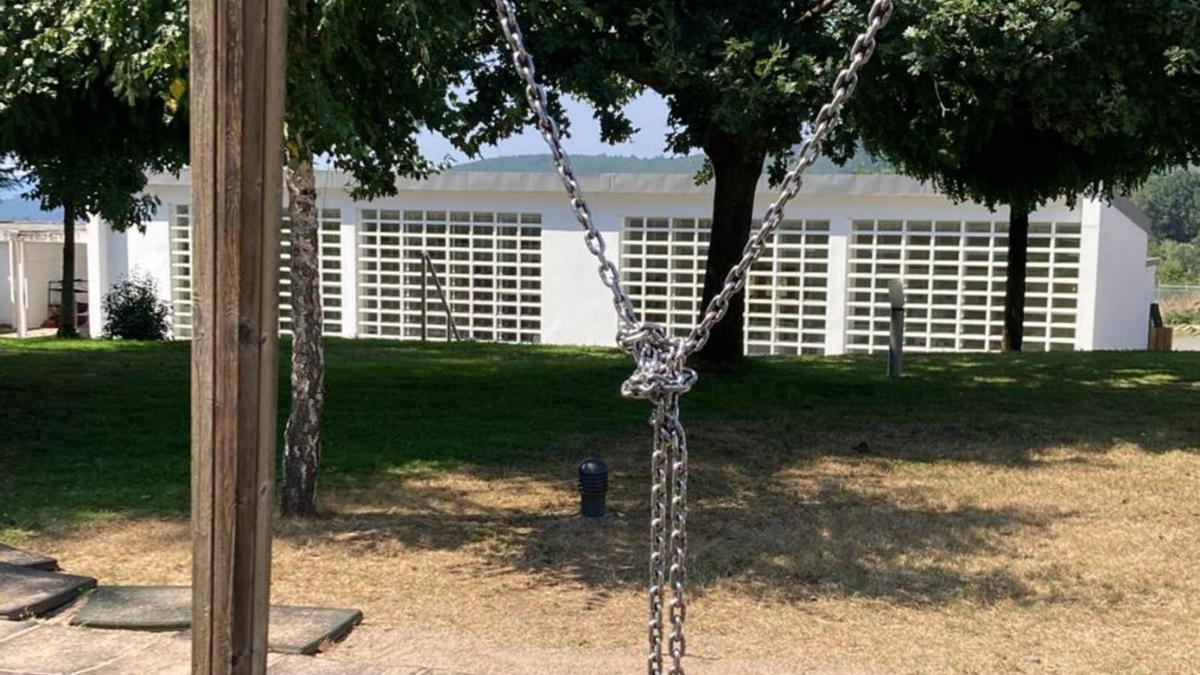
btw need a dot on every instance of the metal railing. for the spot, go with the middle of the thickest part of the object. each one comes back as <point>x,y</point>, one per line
<point>427,271</point>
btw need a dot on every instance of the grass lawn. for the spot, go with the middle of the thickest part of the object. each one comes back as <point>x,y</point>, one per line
<point>987,513</point>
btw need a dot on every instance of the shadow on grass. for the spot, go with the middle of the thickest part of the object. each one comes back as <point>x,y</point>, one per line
<point>94,431</point>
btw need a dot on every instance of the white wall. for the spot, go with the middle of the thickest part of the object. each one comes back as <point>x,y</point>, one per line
<point>1115,286</point>
<point>1124,284</point>
<point>6,286</point>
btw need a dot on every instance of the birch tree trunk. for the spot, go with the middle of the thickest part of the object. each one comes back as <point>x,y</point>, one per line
<point>302,439</point>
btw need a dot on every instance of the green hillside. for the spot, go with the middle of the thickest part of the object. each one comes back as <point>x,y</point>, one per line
<point>593,164</point>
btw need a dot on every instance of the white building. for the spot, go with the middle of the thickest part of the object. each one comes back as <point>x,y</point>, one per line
<point>513,261</point>
<point>31,273</point>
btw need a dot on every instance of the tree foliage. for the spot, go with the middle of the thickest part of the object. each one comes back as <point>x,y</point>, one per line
<point>739,80</point>
<point>88,96</point>
<point>364,77</point>
<point>1172,201</point>
<point>89,93</point>
<point>1019,102</point>
<point>1025,101</point>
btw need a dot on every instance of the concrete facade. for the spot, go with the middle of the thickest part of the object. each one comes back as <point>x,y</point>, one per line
<point>512,257</point>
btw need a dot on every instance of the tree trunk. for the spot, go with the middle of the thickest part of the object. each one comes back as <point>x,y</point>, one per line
<point>737,165</point>
<point>302,440</point>
<point>1014,293</point>
<point>66,315</point>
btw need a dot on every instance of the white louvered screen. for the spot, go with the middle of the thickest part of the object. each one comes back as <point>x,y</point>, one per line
<point>662,265</point>
<point>181,270</point>
<point>489,264</point>
<point>954,273</point>
<point>329,256</point>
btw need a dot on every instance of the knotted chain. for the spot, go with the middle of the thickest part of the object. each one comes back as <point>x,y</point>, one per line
<point>661,374</point>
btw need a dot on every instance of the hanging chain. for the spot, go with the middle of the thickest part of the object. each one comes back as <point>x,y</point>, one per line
<point>535,94</point>
<point>810,150</point>
<point>661,374</point>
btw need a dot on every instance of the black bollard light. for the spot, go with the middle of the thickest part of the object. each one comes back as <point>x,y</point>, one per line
<point>593,487</point>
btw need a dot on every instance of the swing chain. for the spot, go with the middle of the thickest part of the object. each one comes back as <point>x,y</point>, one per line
<point>535,94</point>
<point>661,374</point>
<point>810,150</point>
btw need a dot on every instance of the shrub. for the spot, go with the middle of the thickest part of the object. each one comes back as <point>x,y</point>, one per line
<point>133,311</point>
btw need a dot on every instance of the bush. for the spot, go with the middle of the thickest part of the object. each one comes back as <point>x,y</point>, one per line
<point>133,311</point>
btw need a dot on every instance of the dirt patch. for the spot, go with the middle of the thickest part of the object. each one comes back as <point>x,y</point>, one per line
<point>901,551</point>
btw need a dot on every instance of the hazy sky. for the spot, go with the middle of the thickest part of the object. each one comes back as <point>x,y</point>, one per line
<point>648,113</point>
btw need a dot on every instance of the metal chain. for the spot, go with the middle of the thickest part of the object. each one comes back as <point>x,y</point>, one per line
<point>535,94</point>
<point>661,374</point>
<point>810,150</point>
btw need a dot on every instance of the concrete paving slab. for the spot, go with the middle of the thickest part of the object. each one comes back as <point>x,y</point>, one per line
<point>164,656</point>
<point>15,556</point>
<point>309,665</point>
<point>293,630</point>
<point>302,630</point>
<point>26,592</point>
<point>61,650</point>
<point>11,628</point>
<point>146,608</point>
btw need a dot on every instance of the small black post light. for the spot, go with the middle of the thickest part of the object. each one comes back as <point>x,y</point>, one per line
<point>593,487</point>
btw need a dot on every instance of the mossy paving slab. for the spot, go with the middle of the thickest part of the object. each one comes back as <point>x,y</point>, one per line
<point>302,630</point>
<point>292,630</point>
<point>145,608</point>
<point>26,592</point>
<point>15,556</point>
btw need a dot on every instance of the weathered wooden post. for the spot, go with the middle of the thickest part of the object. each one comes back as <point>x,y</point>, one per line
<point>896,340</point>
<point>237,90</point>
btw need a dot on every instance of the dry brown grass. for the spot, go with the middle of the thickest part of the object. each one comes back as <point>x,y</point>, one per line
<point>806,557</point>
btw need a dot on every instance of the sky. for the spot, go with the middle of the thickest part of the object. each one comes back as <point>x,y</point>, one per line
<point>648,113</point>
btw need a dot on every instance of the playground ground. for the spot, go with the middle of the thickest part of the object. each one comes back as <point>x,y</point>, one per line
<point>1031,513</point>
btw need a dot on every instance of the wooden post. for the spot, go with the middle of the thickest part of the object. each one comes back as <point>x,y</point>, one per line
<point>237,90</point>
<point>896,339</point>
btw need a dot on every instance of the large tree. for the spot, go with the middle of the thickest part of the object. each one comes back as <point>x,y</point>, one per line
<point>1021,102</point>
<point>1172,202</point>
<point>88,96</point>
<point>364,78</point>
<point>739,79</point>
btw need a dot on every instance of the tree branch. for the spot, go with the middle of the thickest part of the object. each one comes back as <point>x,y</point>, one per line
<point>822,7</point>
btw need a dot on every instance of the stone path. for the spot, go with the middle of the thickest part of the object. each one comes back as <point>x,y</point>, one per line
<point>139,630</point>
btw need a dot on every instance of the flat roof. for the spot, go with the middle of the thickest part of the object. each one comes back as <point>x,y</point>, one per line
<point>38,231</point>
<point>865,185</point>
<point>623,183</point>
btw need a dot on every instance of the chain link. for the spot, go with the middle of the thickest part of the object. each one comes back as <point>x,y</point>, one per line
<point>661,374</point>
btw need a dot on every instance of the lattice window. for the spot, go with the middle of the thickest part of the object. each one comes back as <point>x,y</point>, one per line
<point>954,273</point>
<point>181,269</point>
<point>662,265</point>
<point>489,264</point>
<point>329,257</point>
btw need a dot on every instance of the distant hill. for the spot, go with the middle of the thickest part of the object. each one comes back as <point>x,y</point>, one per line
<point>15,207</point>
<point>591,164</point>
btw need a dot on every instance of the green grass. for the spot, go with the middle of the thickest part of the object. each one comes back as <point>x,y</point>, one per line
<point>94,429</point>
